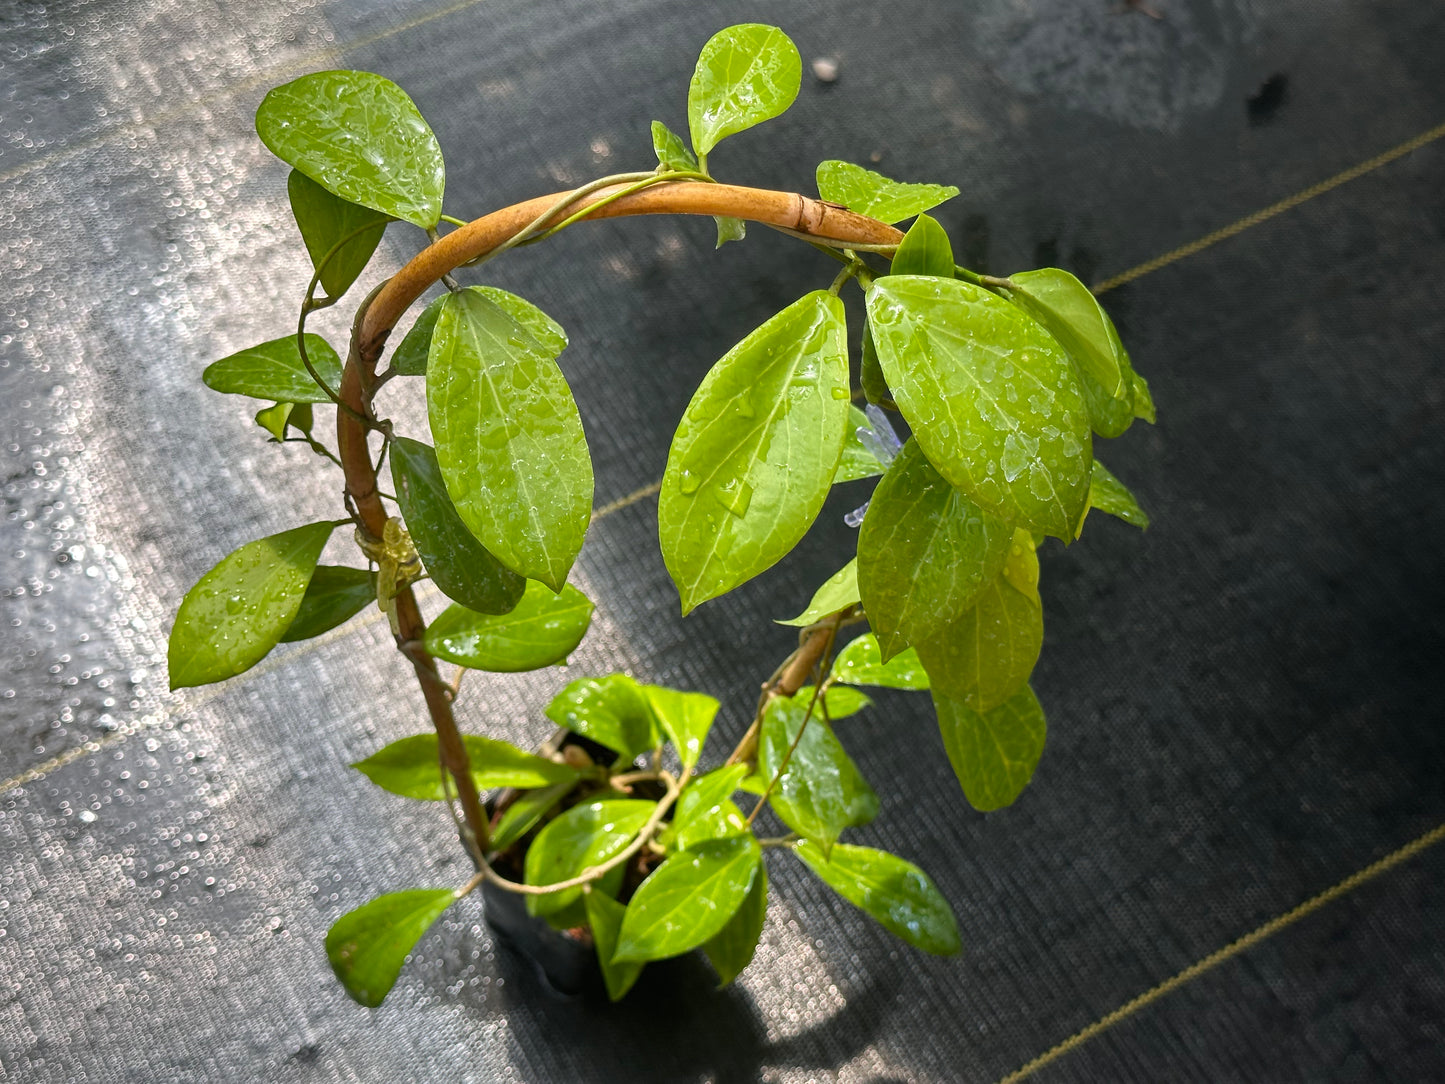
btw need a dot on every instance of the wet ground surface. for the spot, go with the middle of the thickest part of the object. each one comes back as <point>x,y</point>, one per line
<point>1244,703</point>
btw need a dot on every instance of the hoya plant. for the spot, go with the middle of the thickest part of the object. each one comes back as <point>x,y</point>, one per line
<point>630,830</point>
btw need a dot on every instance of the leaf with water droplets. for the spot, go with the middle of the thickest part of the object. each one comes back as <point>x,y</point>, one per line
<point>839,591</point>
<point>508,438</point>
<point>896,893</point>
<point>746,74</point>
<point>1072,315</point>
<point>987,654</point>
<point>461,566</point>
<point>605,916</point>
<point>1143,399</point>
<point>541,630</point>
<point>870,372</point>
<point>1108,494</point>
<point>991,396</point>
<point>821,792</point>
<point>867,193</point>
<point>409,358</point>
<point>925,250</point>
<point>274,370</point>
<point>689,899</point>
<point>327,221</point>
<point>993,753</point>
<point>925,551</point>
<point>684,717</point>
<point>755,453</point>
<point>614,711</point>
<point>361,138</point>
<point>240,609</point>
<point>705,810</point>
<point>411,767</point>
<point>733,947</point>
<point>729,229</point>
<point>586,835</point>
<point>368,946</point>
<point>335,594</point>
<point>672,153</point>
<point>861,663</point>
<point>523,814</point>
<point>859,460</point>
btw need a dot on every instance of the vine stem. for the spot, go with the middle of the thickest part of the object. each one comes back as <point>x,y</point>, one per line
<point>791,212</point>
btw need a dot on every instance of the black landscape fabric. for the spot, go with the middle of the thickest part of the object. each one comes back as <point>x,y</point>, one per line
<point>1244,702</point>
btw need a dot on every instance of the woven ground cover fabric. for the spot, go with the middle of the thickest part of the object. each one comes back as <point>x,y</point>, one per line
<point>1244,702</point>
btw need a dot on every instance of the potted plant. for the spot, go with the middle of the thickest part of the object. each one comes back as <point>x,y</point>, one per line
<point>628,831</point>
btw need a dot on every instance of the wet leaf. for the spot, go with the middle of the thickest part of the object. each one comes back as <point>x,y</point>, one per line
<point>523,814</point>
<point>1108,494</point>
<point>993,753</point>
<point>368,946</point>
<point>745,75</point>
<point>821,791</point>
<point>672,152</point>
<point>1072,315</point>
<point>326,220</point>
<point>684,717</point>
<point>688,899</point>
<point>411,355</point>
<point>986,655</point>
<point>412,768</point>
<point>585,836</point>
<point>896,893</point>
<point>925,250</point>
<point>541,630</point>
<point>754,455</point>
<point>705,810</point>
<point>859,461</point>
<point>605,916</point>
<point>875,384</point>
<point>460,565</point>
<point>274,370</point>
<point>992,398</point>
<point>508,438</point>
<point>839,591</point>
<point>925,551</point>
<point>334,595</point>
<point>1143,399</point>
<point>613,711</point>
<point>241,608</point>
<point>729,229</point>
<point>732,948</point>
<point>872,194</point>
<point>361,138</point>
<point>861,663</point>
<point>409,358</point>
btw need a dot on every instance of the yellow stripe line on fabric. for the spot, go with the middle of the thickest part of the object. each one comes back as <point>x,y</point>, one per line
<point>1286,204</point>
<point>270,75</point>
<point>1214,959</point>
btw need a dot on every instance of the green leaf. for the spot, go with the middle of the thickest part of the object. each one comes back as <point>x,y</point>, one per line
<point>729,229</point>
<point>412,768</point>
<point>361,138</point>
<point>861,663</point>
<point>1108,494</point>
<point>925,551</point>
<point>541,630</point>
<point>925,251</point>
<point>984,658</point>
<point>875,384</point>
<point>410,356</point>
<point>672,152</point>
<point>839,591</point>
<point>745,75</point>
<point>529,808</point>
<point>754,455</point>
<point>326,221</point>
<point>274,370</point>
<point>705,810</point>
<point>688,899</point>
<point>367,946</point>
<point>858,461</point>
<point>992,398</point>
<point>896,893</point>
<point>277,418</point>
<point>732,948</point>
<point>614,711</point>
<point>335,594</point>
<point>586,835</point>
<point>867,193</point>
<point>684,717</point>
<point>508,438</point>
<point>1072,315</point>
<point>993,753</point>
<point>241,608</point>
<point>460,565</point>
<point>821,791</point>
<point>605,916</point>
<point>1143,399</point>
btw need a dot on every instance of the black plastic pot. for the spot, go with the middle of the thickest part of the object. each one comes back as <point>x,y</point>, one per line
<point>566,958</point>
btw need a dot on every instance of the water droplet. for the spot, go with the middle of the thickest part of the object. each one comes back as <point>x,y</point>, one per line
<point>735,496</point>
<point>688,482</point>
<point>840,393</point>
